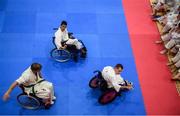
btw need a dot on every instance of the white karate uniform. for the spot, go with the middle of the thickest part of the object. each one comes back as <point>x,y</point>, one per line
<point>63,37</point>
<point>176,58</point>
<point>174,41</point>
<point>112,79</point>
<point>171,16</point>
<point>42,90</point>
<point>169,25</point>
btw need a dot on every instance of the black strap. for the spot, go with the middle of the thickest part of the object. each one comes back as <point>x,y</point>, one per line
<point>33,91</point>
<point>64,43</point>
<point>125,83</point>
<point>33,84</point>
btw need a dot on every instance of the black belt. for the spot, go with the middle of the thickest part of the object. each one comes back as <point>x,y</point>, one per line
<point>33,91</point>
<point>63,43</point>
<point>125,83</point>
<point>33,84</point>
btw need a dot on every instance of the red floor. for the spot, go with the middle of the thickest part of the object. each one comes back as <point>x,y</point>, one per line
<point>159,92</point>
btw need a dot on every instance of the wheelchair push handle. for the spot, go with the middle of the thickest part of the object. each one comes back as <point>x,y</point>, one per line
<point>97,71</point>
<point>55,28</point>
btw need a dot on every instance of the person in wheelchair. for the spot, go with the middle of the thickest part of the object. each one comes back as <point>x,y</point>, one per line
<point>62,40</point>
<point>113,78</point>
<point>33,83</point>
<point>110,82</point>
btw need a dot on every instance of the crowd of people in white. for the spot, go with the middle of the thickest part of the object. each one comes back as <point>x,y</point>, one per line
<point>167,14</point>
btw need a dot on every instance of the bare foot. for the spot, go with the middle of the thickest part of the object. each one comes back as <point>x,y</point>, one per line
<point>152,14</point>
<point>158,42</point>
<point>173,70</point>
<point>163,51</point>
<point>176,78</point>
<point>169,64</point>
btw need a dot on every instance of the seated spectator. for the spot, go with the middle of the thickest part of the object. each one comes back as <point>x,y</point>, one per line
<point>172,39</point>
<point>170,33</point>
<point>159,7</point>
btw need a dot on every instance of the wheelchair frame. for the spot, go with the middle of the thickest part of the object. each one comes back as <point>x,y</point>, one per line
<point>109,94</point>
<point>68,53</point>
<point>31,97</point>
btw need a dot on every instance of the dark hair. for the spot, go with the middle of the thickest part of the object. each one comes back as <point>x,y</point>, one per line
<point>63,23</point>
<point>119,66</point>
<point>36,67</point>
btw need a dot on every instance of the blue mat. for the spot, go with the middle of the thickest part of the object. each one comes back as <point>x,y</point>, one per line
<point>19,22</point>
<point>1,19</point>
<point>26,37</point>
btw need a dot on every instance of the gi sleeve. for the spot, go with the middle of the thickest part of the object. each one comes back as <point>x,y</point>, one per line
<point>22,79</point>
<point>109,74</point>
<point>58,39</point>
<point>114,82</point>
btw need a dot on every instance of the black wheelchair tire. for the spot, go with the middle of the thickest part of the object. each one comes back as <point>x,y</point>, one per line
<point>58,60</point>
<point>31,97</point>
<point>91,83</point>
<point>108,96</point>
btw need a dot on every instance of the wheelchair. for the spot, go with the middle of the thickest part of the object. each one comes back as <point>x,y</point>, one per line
<point>30,101</point>
<point>108,94</point>
<point>64,55</point>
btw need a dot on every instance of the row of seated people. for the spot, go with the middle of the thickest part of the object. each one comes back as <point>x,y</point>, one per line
<point>167,14</point>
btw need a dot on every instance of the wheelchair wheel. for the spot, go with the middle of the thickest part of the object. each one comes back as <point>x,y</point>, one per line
<point>108,97</point>
<point>28,102</point>
<point>93,83</point>
<point>60,55</point>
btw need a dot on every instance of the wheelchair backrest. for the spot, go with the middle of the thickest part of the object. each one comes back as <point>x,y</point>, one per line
<point>103,84</point>
<point>81,42</point>
<point>53,38</point>
<point>53,41</point>
<point>99,74</point>
<point>22,88</point>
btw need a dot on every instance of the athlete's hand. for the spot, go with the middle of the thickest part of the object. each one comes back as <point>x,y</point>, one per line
<point>6,96</point>
<point>129,86</point>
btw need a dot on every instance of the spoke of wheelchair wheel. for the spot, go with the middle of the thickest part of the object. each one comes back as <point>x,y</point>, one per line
<point>62,57</point>
<point>65,56</point>
<point>57,54</point>
<point>29,102</point>
<point>64,53</point>
<point>61,52</point>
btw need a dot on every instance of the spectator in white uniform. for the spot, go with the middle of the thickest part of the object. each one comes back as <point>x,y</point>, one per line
<point>170,32</point>
<point>172,40</point>
<point>32,77</point>
<point>114,79</point>
<point>171,23</point>
<point>177,76</point>
<point>160,6</point>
